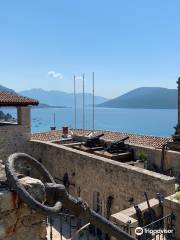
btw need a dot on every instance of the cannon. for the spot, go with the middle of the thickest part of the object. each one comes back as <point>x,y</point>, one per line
<point>118,146</point>
<point>56,195</point>
<point>94,141</point>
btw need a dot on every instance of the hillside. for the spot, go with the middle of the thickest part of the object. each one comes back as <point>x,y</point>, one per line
<point>145,97</point>
<point>58,98</point>
<point>5,89</point>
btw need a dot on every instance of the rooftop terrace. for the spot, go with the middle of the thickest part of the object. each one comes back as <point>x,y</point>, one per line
<point>150,141</point>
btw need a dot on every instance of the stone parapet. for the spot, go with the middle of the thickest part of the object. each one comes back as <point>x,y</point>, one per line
<point>89,174</point>
<point>172,204</point>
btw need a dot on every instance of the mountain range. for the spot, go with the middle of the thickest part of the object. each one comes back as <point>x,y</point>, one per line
<point>59,98</point>
<point>145,97</point>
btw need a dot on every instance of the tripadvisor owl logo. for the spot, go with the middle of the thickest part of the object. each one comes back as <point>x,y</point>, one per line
<point>139,231</point>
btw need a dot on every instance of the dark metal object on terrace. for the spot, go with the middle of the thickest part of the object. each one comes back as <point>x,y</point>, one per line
<point>162,228</point>
<point>94,141</point>
<point>161,169</point>
<point>13,180</point>
<point>139,213</point>
<point>118,145</point>
<point>149,215</point>
<point>57,196</point>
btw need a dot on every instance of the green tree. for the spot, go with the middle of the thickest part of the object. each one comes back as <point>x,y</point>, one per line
<point>2,115</point>
<point>8,117</point>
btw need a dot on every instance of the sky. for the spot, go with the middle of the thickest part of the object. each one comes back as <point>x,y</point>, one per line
<point>127,43</point>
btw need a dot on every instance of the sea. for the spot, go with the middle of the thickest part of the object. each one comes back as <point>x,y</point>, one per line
<point>156,122</point>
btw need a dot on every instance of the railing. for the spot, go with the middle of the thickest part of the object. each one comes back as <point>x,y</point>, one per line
<point>66,226</point>
<point>162,229</point>
<point>62,226</point>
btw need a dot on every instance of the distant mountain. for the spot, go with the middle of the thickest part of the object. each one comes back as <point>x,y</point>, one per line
<point>5,89</point>
<point>145,97</point>
<point>59,98</point>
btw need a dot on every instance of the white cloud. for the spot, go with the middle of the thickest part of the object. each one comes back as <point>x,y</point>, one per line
<point>54,74</point>
<point>79,78</point>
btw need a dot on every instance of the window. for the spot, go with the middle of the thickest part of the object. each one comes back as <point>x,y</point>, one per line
<point>8,115</point>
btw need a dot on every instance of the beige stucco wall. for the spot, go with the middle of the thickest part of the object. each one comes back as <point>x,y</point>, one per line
<point>91,173</point>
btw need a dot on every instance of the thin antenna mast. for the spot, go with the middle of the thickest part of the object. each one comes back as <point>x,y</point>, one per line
<point>83,106</point>
<point>54,119</point>
<point>93,100</point>
<point>75,102</point>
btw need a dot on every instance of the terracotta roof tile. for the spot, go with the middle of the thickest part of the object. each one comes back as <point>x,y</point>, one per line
<point>151,141</point>
<point>12,99</point>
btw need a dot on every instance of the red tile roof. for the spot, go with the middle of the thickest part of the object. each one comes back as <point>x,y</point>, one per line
<point>150,141</point>
<point>12,99</point>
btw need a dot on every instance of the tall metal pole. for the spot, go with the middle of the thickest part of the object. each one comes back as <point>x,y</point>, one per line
<point>75,102</point>
<point>83,106</point>
<point>176,136</point>
<point>54,119</point>
<point>93,101</point>
<point>178,82</point>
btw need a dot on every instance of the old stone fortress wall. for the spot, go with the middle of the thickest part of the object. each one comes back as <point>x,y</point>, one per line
<point>88,174</point>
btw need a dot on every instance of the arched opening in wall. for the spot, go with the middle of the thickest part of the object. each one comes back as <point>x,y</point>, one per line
<point>8,116</point>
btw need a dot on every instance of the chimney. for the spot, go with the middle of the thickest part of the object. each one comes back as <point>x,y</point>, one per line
<point>65,131</point>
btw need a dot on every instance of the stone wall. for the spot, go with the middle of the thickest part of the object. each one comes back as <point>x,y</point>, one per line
<point>17,220</point>
<point>14,137</point>
<point>171,204</point>
<point>89,174</point>
<point>172,158</point>
<point>128,217</point>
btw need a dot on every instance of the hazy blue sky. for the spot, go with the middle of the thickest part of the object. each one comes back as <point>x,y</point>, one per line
<point>128,44</point>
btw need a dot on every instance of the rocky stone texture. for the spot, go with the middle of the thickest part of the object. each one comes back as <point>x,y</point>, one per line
<point>17,220</point>
<point>2,171</point>
<point>150,145</point>
<point>35,187</point>
<point>171,204</point>
<point>128,216</point>
<point>89,174</point>
<point>171,161</point>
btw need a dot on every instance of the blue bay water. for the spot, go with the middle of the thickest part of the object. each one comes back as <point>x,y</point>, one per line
<point>158,122</point>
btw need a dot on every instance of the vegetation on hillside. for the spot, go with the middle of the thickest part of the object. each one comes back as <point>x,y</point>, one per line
<point>5,117</point>
<point>145,97</point>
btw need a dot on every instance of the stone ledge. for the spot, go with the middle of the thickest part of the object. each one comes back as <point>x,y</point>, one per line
<point>105,160</point>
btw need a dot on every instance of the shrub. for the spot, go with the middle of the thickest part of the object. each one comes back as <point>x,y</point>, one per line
<point>177,197</point>
<point>143,156</point>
